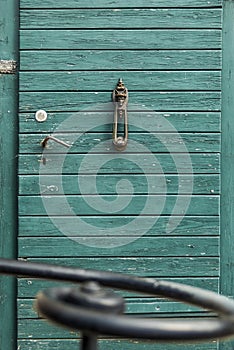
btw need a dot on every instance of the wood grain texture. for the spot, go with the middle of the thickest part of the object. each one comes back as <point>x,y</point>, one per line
<point>29,287</point>
<point>199,205</point>
<point>120,39</point>
<point>96,101</point>
<point>141,266</point>
<point>134,80</point>
<point>118,3</point>
<point>133,306</point>
<point>169,55</point>
<point>120,18</point>
<point>102,143</point>
<point>29,329</point>
<point>202,163</point>
<point>156,122</point>
<point>107,184</point>
<point>189,226</point>
<point>118,60</point>
<point>144,246</point>
<point>227,198</point>
<point>8,170</point>
<point>113,344</point>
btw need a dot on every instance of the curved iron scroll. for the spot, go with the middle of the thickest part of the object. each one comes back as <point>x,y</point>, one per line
<point>90,309</point>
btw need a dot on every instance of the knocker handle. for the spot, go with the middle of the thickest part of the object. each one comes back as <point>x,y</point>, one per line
<point>120,100</point>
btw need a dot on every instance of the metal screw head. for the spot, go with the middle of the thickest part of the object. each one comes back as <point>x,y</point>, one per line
<point>41,116</point>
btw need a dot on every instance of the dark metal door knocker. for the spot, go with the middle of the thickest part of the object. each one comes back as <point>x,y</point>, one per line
<point>120,99</point>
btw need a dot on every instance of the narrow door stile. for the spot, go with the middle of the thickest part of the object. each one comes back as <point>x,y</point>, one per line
<point>8,165</point>
<point>227,158</point>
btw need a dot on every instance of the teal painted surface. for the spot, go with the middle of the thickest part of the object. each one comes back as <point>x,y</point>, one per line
<point>124,18</point>
<point>92,143</point>
<point>30,286</point>
<point>147,246</point>
<point>227,198</point>
<point>106,184</point>
<point>114,59</point>
<point>153,306</point>
<point>170,59</point>
<point>182,122</point>
<point>110,39</point>
<point>166,101</point>
<point>190,226</point>
<point>202,163</point>
<point>150,267</point>
<point>119,3</point>
<point>199,205</point>
<point>116,344</point>
<point>8,154</point>
<point>135,80</point>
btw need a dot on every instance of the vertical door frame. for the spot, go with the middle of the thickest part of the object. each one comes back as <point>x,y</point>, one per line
<point>9,18</point>
<point>227,159</point>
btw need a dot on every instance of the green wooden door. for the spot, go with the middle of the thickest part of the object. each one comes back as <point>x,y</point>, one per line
<point>154,209</point>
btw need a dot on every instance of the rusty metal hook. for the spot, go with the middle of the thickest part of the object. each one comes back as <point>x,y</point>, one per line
<point>120,99</point>
<point>47,138</point>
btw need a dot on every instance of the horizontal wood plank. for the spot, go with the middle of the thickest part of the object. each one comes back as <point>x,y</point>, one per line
<point>118,3</point>
<point>106,184</point>
<point>129,205</point>
<point>149,121</point>
<point>70,60</point>
<point>29,287</point>
<point>134,80</point>
<point>120,39</point>
<point>203,163</point>
<point>144,246</point>
<point>42,329</point>
<point>62,344</point>
<point>42,226</point>
<point>133,306</point>
<point>120,18</point>
<point>147,267</point>
<point>102,143</point>
<point>96,101</point>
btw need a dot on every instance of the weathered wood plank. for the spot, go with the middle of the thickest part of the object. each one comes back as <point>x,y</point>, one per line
<point>96,101</point>
<point>202,163</point>
<point>102,143</point>
<point>155,122</point>
<point>199,205</point>
<point>227,204</point>
<point>41,329</point>
<point>113,59</point>
<point>29,287</point>
<point>106,184</point>
<point>120,39</point>
<point>8,169</point>
<point>137,306</point>
<point>134,80</point>
<point>118,3</point>
<point>144,246</point>
<point>120,18</point>
<point>62,344</point>
<point>189,226</point>
<point>147,267</point>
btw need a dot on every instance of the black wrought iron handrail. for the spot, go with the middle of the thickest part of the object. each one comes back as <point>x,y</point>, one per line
<point>93,310</point>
